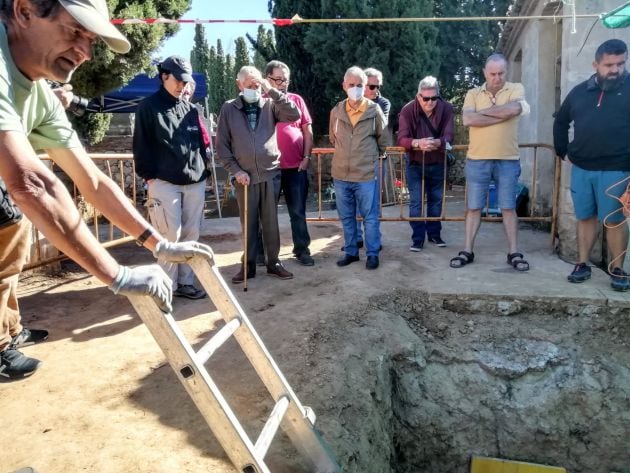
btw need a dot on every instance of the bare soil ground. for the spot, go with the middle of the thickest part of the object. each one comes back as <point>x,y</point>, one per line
<point>104,400</point>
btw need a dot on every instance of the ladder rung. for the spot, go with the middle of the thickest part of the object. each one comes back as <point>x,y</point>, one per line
<point>271,427</point>
<point>218,339</point>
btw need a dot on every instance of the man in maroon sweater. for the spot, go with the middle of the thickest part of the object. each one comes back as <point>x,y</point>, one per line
<point>425,129</point>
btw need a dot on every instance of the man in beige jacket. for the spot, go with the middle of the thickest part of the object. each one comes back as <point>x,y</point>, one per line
<point>357,131</point>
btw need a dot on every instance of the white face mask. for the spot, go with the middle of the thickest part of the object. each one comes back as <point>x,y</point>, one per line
<point>251,95</point>
<point>355,93</point>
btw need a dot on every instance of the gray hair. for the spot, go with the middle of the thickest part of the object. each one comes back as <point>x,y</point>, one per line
<point>355,71</point>
<point>271,65</point>
<point>247,70</point>
<point>496,57</point>
<point>429,82</point>
<point>371,72</point>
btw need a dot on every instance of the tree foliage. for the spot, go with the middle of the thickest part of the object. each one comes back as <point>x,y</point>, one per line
<point>264,47</point>
<point>454,52</point>
<point>221,73</point>
<point>221,69</point>
<point>241,55</point>
<point>200,54</point>
<point>319,54</point>
<point>108,70</point>
<point>465,45</point>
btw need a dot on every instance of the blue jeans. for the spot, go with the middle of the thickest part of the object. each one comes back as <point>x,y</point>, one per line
<point>350,198</point>
<point>295,188</point>
<point>479,174</point>
<point>378,191</point>
<point>433,190</point>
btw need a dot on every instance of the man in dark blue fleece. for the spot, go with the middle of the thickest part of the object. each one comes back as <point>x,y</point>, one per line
<point>599,109</point>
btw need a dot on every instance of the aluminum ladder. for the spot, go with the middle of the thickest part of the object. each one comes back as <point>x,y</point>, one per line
<point>296,420</point>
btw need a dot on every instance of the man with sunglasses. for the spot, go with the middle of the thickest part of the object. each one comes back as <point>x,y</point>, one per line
<point>492,112</point>
<point>425,128</point>
<point>372,91</point>
<point>295,141</point>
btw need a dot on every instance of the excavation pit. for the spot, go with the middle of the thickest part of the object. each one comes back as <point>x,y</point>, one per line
<point>419,383</point>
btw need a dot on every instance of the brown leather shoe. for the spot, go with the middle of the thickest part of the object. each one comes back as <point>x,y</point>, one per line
<point>278,271</point>
<point>240,276</point>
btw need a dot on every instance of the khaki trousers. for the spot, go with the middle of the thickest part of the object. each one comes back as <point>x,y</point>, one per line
<point>15,242</point>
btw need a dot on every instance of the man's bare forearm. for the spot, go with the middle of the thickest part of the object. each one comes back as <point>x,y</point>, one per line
<point>480,120</point>
<point>103,193</point>
<point>47,203</point>
<point>507,111</point>
<point>492,115</point>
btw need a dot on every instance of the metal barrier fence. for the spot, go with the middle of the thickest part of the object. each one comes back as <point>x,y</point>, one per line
<point>120,168</point>
<point>397,181</point>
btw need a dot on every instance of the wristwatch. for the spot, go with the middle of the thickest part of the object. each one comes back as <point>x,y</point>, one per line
<point>144,237</point>
<point>308,156</point>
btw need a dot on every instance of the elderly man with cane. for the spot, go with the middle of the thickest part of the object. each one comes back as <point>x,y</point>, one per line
<point>247,148</point>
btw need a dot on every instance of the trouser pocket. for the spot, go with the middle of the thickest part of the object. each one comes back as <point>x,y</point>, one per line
<point>157,215</point>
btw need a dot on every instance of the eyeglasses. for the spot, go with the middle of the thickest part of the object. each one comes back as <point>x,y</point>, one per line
<point>374,86</point>
<point>278,80</point>
<point>433,99</point>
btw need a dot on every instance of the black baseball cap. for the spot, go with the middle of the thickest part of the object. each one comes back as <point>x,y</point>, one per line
<point>178,66</point>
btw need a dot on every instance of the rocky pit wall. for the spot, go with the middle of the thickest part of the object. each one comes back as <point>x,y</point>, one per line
<point>412,383</point>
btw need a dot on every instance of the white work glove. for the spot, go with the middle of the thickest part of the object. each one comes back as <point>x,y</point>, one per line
<point>182,251</point>
<point>148,280</point>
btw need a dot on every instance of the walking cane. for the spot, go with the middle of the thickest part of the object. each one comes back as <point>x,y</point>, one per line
<point>245,211</point>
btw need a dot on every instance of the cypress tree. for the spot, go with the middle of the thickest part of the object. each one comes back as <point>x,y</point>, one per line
<point>241,54</point>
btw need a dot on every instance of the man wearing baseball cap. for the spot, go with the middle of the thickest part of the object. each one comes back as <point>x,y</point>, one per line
<point>50,39</point>
<point>170,155</point>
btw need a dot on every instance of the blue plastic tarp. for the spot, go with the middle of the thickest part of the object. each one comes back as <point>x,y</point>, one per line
<point>127,98</point>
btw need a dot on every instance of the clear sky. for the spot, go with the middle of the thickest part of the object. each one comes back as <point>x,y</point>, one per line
<point>182,42</point>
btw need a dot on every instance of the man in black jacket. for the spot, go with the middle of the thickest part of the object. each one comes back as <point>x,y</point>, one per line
<point>600,152</point>
<point>170,156</point>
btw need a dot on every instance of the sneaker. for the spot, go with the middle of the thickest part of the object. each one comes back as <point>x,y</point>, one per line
<point>580,273</point>
<point>28,337</point>
<point>278,271</point>
<point>417,247</point>
<point>14,365</point>
<point>190,292</point>
<point>305,259</point>
<point>619,280</point>
<point>437,241</point>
